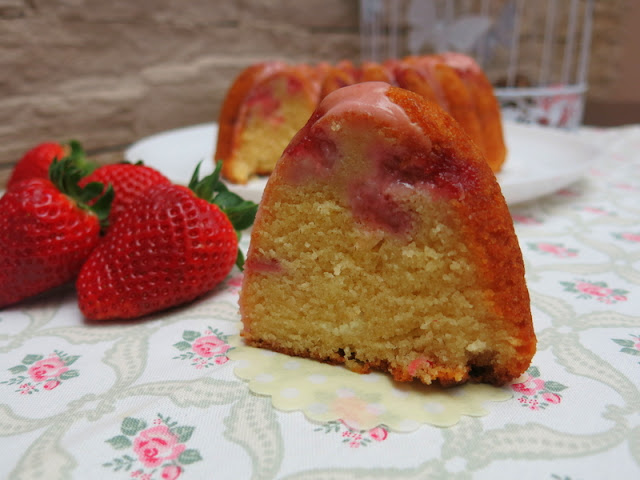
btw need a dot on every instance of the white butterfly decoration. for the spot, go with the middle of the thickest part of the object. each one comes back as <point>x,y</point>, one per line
<point>463,33</point>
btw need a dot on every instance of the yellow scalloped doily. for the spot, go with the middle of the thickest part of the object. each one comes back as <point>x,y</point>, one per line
<point>328,392</point>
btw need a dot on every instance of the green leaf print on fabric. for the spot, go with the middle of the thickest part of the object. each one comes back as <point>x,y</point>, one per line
<point>119,442</point>
<point>630,347</point>
<point>131,426</point>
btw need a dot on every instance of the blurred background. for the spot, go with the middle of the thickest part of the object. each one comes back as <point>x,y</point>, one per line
<point>109,73</point>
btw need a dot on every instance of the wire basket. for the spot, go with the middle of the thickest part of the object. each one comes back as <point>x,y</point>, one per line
<point>536,54</point>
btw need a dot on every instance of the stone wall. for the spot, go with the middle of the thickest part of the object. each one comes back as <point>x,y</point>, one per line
<point>108,73</point>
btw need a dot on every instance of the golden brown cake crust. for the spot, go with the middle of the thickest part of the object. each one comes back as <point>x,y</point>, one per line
<point>489,224</point>
<point>486,107</point>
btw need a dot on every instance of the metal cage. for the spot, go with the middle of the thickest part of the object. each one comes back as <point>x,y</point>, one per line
<point>535,53</point>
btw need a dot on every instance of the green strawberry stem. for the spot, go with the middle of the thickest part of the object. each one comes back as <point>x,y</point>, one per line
<point>80,157</point>
<point>241,212</point>
<point>65,175</point>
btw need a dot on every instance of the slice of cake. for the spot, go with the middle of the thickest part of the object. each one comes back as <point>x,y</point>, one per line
<point>383,241</point>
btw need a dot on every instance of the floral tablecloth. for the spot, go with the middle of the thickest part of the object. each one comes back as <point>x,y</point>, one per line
<point>165,397</point>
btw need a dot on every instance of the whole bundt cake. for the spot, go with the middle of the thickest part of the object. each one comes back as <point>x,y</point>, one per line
<point>383,242</point>
<point>269,102</point>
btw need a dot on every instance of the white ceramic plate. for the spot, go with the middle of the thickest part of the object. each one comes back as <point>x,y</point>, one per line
<point>541,160</point>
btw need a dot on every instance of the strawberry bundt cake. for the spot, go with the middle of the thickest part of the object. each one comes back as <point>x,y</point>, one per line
<point>383,242</point>
<point>269,102</point>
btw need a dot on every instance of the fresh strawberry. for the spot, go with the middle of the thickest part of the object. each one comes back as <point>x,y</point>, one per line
<point>129,183</point>
<point>35,163</point>
<point>46,231</point>
<point>167,249</point>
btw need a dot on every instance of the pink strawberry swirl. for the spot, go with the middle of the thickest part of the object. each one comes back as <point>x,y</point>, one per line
<point>51,367</point>
<point>156,445</point>
<point>209,346</point>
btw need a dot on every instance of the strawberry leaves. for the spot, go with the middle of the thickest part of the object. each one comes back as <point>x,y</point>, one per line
<point>241,212</point>
<point>66,174</point>
<point>79,157</point>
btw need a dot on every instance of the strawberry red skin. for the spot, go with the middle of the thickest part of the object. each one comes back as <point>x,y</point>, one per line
<point>168,249</point>
<point>35,163</point>
<point>44,239</point>
<point>129,181</point>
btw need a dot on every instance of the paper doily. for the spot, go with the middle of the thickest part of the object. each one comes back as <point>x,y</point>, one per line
<point>329,392</point>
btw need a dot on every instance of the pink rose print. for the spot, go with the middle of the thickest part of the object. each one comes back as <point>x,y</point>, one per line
<point>529,386</point>
<point>48,368</point>
<point>557,250</point>
<point>36,371</point>
<point>27,389</point>
<point>171,472</point>
<point>599,291</point>
<point>352,437</point>
<point>633,237</point>
<point>159,449</point>
<point>379,434</point>
<point>628,236</point>
<point>551,397</point>
<point>157,444</point>
<point>538,394</point>
<point>525,219</point>
<point>203,350</point>
<point>50,385</point>
<point>591,289</point>
<point>209,346</point>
